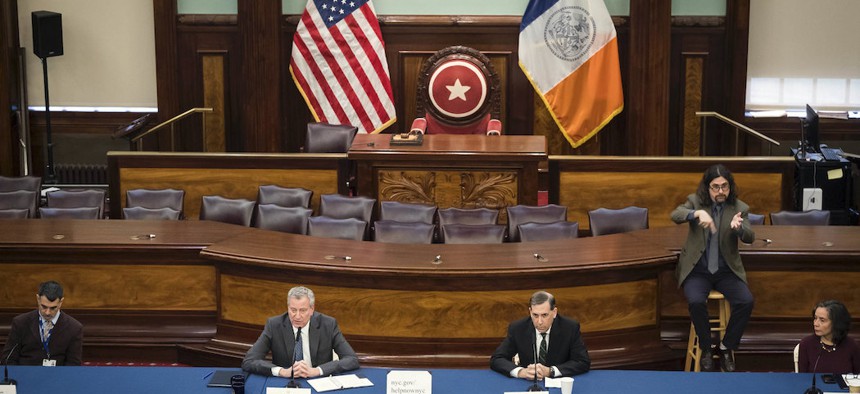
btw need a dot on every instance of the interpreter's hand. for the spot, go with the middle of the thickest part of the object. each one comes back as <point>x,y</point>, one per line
<point>736,221</point>
<point>303,370</point>
<point>705,220</point>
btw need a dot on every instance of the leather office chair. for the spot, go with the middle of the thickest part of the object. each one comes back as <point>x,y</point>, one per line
<point>407,213</point>
<point>77,199</point>
<point>27,183</point>
<point>520,214</point>
<point>391,231</point>
<point>18,200</point>
<point>329,138</point>
<point>342,207</point>
<point>293,220</point>
<point>805,218</point>
<point>225,210</point>
<point>326,227</point>
<point>473,233</point>
<point>468,216</point>
<point>284,196</point>
<point>532,232</point>
<point>605,221</point>
<point>471,216</point>
<point>458,93</point>
<point>14,213</point>
<point>90,213</point>
<point>756,219</point>
<point>141,213</point>
<point>153,199</point>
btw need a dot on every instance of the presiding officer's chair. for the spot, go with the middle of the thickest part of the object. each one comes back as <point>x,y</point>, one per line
<point>458,93</point>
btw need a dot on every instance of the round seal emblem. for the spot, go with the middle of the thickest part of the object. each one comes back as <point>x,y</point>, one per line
<point>570,33</point>
<point>457,89</point>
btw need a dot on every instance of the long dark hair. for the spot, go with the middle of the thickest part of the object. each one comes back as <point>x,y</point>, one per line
<point>713,172</point>
<point>840,319</point>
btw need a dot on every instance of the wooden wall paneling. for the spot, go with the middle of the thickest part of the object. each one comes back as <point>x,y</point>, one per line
<point>648,105</point>
<point>116,287</point>
<point>167,68</point>
<point>214,87</point>
<point>660,184</point>
<point>735,78</point>
<point>260,114</point>
<point>9,88</point>
<point>694,65</point>
<point>230,176</point>
<point>293,107</point>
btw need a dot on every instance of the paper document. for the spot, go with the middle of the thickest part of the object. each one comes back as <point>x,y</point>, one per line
<point>284,390</point>
<point>552,382</point>
<point>339,382</point>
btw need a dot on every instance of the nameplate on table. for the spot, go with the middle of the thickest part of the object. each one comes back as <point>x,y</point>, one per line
<point>409,382</point>
<point>8,389</point>
<point>284,390</point>
<point>527,392</point>
<point>339,382</point>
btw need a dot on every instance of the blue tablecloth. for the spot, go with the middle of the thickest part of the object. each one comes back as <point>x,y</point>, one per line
<point>164,380</point>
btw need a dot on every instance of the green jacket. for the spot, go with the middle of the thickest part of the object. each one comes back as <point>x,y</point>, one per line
<point>697,237</point>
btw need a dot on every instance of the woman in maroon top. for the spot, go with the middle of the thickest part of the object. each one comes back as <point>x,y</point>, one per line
<point>829,350</point>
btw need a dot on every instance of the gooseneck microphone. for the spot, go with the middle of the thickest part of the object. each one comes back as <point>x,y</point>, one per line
<point>293,384</point>
<point>813,389</point>
<point>6,381</point>
<point>535,386</point>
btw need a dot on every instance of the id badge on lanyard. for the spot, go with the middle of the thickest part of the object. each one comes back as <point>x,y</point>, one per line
<point>46,339</point>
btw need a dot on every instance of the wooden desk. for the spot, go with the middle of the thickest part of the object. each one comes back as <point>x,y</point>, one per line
<point>464,171</point>
<point>209,287</point>
<point>137,298</point>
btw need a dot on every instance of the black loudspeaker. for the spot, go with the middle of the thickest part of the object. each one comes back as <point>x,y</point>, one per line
<point>47,34</point>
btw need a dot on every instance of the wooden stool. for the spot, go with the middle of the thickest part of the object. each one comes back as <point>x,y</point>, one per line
<point>717,324</point>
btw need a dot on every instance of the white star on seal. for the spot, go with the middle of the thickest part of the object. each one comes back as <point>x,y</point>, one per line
<point>457,90</point>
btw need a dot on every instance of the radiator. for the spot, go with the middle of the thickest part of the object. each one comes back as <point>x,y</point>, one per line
<point>81,174</point>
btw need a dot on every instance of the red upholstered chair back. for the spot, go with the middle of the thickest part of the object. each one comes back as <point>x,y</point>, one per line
<point>458,92</point>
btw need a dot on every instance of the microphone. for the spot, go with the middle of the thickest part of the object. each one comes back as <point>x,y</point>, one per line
<point>535,386</point>
<point>6,381</point>
<point>813,389</point>
<point>293,384</point>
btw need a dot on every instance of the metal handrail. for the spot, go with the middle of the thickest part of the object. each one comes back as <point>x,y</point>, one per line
<point>736,125</point>
<point>170,122</point>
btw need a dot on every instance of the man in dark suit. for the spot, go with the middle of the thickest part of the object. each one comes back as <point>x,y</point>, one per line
<point>710,260</point>
<point>555,339</point>
<point>45,336</point>
<point>301,342</point>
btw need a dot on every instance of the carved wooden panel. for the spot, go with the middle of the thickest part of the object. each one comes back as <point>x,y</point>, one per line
<point>694,69</point>
<point>120,287</point>
<point>416,314</point>
<point>230,183</point>
<point>214,130</point>
<point>660,192</point>
<point>782,294</point>
<point>460,189</point>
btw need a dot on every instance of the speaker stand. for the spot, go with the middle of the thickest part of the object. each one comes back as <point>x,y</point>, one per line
<point>50,175</point>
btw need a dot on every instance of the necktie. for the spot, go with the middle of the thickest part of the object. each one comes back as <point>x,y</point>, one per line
<point>714,243</point>
<point>542,351</point>
<point>46,328</point>
<point>298,351</point>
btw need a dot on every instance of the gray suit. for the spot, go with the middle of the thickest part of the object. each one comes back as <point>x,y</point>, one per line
<point>277,337</point>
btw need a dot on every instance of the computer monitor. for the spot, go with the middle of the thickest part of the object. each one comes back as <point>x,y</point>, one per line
<point>810,131</point>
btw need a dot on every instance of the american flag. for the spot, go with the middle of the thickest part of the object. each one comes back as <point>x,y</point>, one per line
<point>339,65</point>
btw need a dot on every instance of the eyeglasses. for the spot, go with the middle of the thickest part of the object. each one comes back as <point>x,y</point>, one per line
<point>716,188</point>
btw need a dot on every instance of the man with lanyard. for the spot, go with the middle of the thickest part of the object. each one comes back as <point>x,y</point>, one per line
<point>45,336</point>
